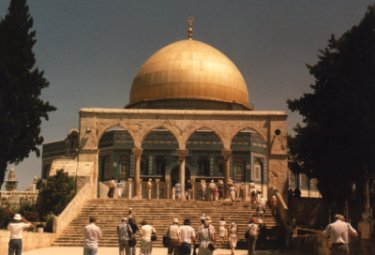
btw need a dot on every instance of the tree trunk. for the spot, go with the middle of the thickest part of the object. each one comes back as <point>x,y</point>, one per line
<point>3,169</point>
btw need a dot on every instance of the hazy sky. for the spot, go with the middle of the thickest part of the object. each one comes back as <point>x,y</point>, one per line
<point>91,50</point>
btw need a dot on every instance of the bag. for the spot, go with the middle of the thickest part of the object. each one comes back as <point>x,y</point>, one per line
<point>211,246</point>
<point>247,235</point>
<point>153,236</point>
<point>166,240</point>
<point>132,241</point>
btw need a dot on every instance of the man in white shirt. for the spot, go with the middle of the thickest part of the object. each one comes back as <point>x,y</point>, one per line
<point>338,233</point>
<point>16,229</point>
<point>187,238</point>
<point>92,234</point>
<point>145,233</point>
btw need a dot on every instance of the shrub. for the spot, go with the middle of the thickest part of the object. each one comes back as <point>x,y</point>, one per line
<point>56,195</point>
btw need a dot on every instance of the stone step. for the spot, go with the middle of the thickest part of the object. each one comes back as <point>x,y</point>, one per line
<point>159,213</point>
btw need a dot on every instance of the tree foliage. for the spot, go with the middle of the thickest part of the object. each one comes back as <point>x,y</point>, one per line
<point>21,84</point>
<point>336,143</point>
<point>56,195</point>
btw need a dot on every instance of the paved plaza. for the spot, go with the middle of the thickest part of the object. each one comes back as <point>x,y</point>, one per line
<point>113,250</point>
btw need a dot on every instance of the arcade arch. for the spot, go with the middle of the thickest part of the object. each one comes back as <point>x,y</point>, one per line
<point>115,152</point>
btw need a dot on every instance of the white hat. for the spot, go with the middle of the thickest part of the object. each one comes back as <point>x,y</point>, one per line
<point>17,216</point>
<point>175,220</point>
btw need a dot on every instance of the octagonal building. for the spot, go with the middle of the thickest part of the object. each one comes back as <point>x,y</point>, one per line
<point>188,120</point>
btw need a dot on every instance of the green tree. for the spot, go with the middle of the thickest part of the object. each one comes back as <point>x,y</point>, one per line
<point>56,194</point>
<point>336,143</point>
<point>21,83</point>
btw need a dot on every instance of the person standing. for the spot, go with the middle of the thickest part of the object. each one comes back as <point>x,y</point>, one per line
<point>253,232</point>
<point>187,238</point>
<point>203,189</point>
<point>112,187</point>
<point>365,228</point>
<point>119,188</point>
<point>211,190</point>
<point>149,188</point>
<point>253,194</point>
<point>92,234</point>
<point>232,192</point>
<point>222,231</point>
<point>220,186</point>
<point>242,192</point>
<point>124,233</point>
<point>205,237</point>
<point>134,228</point>
<point>178,191</point>
<point>274,205</point>
<point>130,214</point>
<point>338,233</point>
<point>189,190</point>
<point>16,228</point>
<point>174,237</point>
<point>232,237</point>
<point>145,233</point>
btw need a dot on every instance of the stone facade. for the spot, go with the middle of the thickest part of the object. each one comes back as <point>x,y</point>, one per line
<point>270,125</point>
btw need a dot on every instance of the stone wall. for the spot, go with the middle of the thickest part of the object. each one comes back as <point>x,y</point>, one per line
<point>308,211</point>
<point>15,198</point>
<point>313,242</point>
<point>31,240</point>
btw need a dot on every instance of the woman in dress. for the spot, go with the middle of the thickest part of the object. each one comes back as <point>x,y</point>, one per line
<point>222,231</point>
<point>232,237</point>
<point>205,236</point>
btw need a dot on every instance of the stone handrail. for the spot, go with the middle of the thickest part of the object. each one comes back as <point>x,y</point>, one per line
<point>73,208</point>
<point>281,200</point>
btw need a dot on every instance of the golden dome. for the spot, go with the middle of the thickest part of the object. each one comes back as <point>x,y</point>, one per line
<point>189,69</point>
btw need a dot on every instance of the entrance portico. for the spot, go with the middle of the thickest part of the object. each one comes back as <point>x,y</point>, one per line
<point>219,144</point>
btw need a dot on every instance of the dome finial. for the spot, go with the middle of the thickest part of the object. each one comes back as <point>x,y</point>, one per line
<point>190,27</point>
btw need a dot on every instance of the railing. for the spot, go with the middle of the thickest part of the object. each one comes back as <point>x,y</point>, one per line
<point>281,200</point>
<point>73,208</point>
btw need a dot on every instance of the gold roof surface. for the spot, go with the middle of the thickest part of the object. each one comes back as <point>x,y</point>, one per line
<point>189,69</point>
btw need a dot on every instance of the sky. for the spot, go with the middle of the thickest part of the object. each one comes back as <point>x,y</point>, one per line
<point>91,50</point>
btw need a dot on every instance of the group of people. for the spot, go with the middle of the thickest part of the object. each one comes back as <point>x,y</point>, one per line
<point>179,239</point>
<point>208,191</point>
<point>182,239</point>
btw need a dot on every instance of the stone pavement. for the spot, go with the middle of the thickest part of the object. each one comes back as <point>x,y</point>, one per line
<point>155,251</point>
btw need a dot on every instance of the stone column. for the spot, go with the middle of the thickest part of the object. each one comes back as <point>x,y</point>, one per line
<point>226,155</point>
<point>137,152</point>
<point>157,181</point>
<point>181,158</point>
<point>192,180</point>
<point>168,186</point>
<point>130,188</point>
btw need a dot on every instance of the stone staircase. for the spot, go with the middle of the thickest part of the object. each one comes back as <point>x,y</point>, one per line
<point>158,213</point>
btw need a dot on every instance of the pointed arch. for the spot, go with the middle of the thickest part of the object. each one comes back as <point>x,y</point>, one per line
<point>208,138</point>
<point>115,145</point>
<point>158,144</point>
